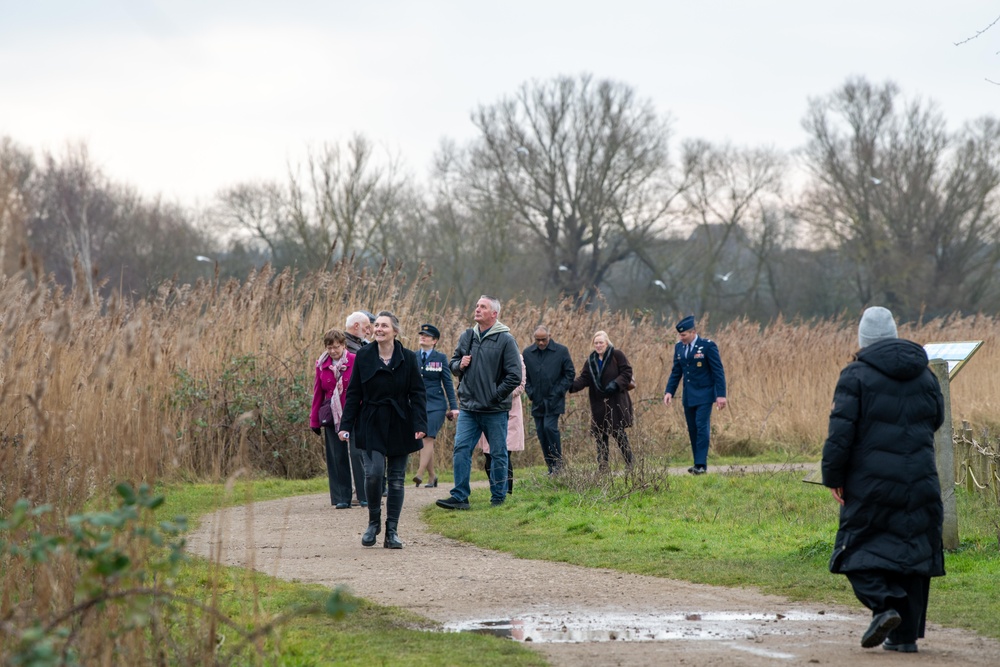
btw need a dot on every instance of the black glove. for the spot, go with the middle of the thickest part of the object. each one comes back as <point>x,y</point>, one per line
<point>610,387</point>
<point>317,430</point>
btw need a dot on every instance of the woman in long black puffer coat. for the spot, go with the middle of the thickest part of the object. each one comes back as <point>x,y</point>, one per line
<point>878,461</point>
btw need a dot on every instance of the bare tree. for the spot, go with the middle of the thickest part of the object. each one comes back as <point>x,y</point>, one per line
<point>912,206</point>
<point>470,242</point>
<point>16,170</point>
<point>73,215</point>
<point>734,206</point>
<point>582,166</point>
<point>257,211</point>
<point>343,200</point>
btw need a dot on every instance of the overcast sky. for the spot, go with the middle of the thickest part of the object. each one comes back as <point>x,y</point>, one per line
<point>182,98</point>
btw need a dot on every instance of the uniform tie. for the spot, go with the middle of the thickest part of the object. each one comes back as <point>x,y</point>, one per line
<point>687,350</point>
<point>423,357</point>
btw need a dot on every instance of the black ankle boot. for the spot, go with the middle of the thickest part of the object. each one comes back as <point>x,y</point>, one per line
<point>374,528</point>
<point>391,538</point>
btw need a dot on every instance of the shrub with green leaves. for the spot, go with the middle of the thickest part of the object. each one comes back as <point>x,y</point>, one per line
<point>254,412</point>
<point>124,608</point>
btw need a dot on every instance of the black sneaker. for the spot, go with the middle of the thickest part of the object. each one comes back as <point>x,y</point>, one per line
<point>880,626</point>
<point>697,470</point>
<point>495,503</point>
<point>452,503</point>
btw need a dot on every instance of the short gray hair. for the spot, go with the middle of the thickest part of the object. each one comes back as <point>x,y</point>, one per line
<point>494,303</point>
<point>355,318</point>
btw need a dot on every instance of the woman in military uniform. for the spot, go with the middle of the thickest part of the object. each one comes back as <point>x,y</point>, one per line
<point>441,401</point>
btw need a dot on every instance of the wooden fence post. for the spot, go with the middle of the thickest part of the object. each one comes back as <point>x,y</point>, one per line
<point>944,452</point>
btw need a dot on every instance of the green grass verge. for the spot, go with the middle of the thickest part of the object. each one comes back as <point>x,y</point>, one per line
<point>370,635</point>
<point>767,531</point>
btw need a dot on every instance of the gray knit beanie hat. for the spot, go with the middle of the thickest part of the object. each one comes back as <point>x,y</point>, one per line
<point>876,324</point>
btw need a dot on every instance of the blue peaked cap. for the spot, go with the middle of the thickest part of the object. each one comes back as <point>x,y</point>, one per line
<point>686,324</point>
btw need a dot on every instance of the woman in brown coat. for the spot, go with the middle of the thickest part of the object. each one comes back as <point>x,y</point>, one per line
<point>606,376</point>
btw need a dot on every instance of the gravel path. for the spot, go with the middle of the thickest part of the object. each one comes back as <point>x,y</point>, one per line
<point>305,539</point>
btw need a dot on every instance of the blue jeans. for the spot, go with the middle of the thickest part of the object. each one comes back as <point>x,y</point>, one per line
<point>471,425</point>
<point>699,423</point>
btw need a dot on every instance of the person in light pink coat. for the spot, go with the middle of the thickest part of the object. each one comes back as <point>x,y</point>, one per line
<point>515,432</point>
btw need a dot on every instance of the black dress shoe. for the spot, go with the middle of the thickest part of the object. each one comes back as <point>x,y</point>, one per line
<point>452,503</point>
<point>343,506</point>
<point>902,648</point>
<point>880,626</point>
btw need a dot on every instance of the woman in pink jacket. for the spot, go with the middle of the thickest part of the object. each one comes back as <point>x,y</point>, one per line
<point>333,373</point>
<point>515,432</point>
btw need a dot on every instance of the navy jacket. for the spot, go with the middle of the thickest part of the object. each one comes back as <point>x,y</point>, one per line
<point>704,377</point>
<point>437,380</point>
<point>548,376</point>
<point>880,450</point>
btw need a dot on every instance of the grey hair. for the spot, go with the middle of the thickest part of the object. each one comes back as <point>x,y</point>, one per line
<point>544,329</point>
<point>392,318</point>
<point>357,317</point>
<point>604,335</point>
<point>494,303</point>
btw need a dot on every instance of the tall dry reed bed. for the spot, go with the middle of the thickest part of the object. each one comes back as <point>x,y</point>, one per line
<point>207,379</point>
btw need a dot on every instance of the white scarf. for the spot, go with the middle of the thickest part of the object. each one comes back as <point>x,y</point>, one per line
<point>338,367</point>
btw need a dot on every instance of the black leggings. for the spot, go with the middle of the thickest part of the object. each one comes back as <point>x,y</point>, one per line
<point>378,467</point>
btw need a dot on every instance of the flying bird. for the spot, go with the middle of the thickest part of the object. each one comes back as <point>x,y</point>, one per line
<point>723,278</point>
<point>202,258</point>
<point>563,267</point>
<point>521,150</point>
<point>659,283</point>
<point>874,180</point>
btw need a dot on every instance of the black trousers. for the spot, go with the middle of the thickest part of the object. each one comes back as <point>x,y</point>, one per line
<point>343,461</point>
<point>881,590</point>
<point>547,430</point>
<point>621,438</point>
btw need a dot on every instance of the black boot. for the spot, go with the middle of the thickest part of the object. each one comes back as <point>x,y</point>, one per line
<point>374,528</point>
<point>391,538</point>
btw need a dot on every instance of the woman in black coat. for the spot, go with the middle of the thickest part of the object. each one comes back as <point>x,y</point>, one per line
<point>386,408</point>
<point>606,376</point>
<point>878,461</point>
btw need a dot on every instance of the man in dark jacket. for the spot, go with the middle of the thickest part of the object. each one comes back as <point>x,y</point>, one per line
<point>354,329</point>
<point>697,361</point>
<point>878,461</point>
<point>487,363</point>
<point>549,373</point>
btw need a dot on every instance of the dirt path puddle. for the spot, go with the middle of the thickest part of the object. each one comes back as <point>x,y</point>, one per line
<point>591,627</point>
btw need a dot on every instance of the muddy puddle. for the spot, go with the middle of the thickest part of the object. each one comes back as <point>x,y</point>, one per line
<point>588,627</point>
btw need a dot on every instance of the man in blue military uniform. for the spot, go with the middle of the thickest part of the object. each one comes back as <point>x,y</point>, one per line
<point>697,360</point>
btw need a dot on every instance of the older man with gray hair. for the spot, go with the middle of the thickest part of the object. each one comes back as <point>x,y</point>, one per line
<point>488,365</point>
<point>354,329</point>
